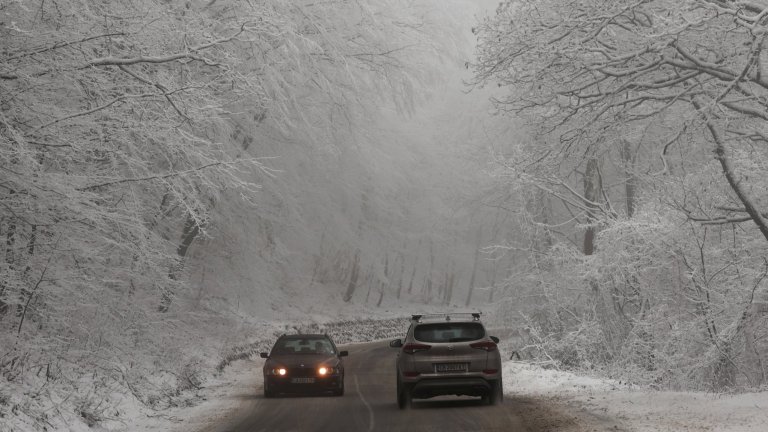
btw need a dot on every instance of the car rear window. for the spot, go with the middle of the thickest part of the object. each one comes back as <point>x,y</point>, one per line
<point>448,332</point>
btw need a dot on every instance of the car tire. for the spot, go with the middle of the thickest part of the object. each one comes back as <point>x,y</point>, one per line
<point>268,392</point>
<point>496,395</point>
<point>340,391</point>
<point>404,397</point>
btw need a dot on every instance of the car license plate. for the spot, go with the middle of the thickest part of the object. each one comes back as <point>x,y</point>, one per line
<point>451,367</point>
<point>302,380</point>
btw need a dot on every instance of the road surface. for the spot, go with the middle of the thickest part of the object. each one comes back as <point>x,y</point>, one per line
<point>369,405</point>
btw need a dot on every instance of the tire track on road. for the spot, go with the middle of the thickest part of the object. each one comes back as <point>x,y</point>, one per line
<point>371,423</point>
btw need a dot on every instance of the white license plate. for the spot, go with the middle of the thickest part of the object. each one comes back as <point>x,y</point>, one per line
<point>451,367</point>
<point>302,380</point>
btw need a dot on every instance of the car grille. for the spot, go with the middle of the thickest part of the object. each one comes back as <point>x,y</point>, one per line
<point>302,372</point>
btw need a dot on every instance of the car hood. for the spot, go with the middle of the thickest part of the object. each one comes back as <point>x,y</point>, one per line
<point>304,360</point>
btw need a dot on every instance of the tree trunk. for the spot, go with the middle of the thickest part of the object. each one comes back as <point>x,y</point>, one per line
<point>428,285</point>
<point>10,243</point>
<point>318,261</point>
<point>725,371</point>
<point>369,280</point>
<point>721,154</point>
<point>630,181</point>
<point>352,285</point>
<point>449,283</point>
<point>493,281</point>
<point>415,265</point>
<point>188,236</point>
<point>751,327</point>
<point>191,230</point>
<point>413,277</point>
<point>474,267</point>
<point>381,294</point>
<point>401,257</point>
<point>592,189</point>
<point>385,284</point>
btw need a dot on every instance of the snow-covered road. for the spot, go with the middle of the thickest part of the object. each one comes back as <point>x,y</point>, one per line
<point>536,399</point>
<point>369,405</point>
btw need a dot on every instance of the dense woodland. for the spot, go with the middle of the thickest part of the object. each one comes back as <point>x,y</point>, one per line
<point>643,182</point>
<point>205,170</point>
<point>592,171</point>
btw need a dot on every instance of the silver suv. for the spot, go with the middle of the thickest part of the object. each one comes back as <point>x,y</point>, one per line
<point>448,354</point>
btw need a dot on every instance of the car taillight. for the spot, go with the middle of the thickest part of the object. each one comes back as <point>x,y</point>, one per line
<point>485,346</point>
<point>412,348</point>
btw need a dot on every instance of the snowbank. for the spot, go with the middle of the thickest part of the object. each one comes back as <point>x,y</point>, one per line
<point>638,409</point>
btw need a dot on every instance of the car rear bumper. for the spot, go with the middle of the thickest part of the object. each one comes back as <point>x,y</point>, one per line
<point>427,388</point>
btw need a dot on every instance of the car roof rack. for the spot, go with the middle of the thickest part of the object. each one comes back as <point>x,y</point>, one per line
<point>447,316</point>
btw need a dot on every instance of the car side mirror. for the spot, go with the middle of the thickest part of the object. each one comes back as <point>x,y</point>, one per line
<point>397,343</point>
<point>343,353</point>
<point>264,355</point>
<point>495,339</point>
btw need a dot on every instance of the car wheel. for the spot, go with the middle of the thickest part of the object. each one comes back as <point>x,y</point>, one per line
<point>340,391</point>
<point>496,395</point>
<point>268,392</point>
<point>404,397</point>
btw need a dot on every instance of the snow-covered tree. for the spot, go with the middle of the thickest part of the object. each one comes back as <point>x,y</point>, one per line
<point>125,126</point>
<point>656,103</point>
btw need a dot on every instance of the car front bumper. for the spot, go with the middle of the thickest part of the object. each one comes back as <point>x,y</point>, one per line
<point>284,384</point>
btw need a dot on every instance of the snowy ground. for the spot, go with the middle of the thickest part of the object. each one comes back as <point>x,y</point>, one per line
<point>625,408</point>
<point>220,398</point>
<point>593,403</point>
<point>636,409</point>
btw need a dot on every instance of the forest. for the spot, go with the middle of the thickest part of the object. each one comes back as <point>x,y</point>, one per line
<point>648,133</point>
<point>592,173</point>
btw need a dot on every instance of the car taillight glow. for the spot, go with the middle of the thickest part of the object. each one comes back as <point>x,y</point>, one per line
<point>323,370</point>
<point>485,346</point>
<point>412,348</point>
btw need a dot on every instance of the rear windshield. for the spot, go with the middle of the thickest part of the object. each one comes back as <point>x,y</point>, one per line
<point>449,332</point>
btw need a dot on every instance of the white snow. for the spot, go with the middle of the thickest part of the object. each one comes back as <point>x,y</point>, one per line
<point>638,409</point>
<point>632,408</point>
<point>221,397</point>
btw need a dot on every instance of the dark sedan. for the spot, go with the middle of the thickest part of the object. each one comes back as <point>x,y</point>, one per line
<point>304,363</point>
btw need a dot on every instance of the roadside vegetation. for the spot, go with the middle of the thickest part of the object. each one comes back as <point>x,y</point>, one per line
<point>640,186</point>
<point>129,133</point>
<point>179,180</point>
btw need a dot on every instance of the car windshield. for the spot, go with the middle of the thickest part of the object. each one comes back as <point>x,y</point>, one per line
<point>303,346</point>
<point>448,332</point>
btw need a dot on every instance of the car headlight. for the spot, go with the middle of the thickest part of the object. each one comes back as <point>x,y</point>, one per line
<point>327,370</point>
<point>279,371</point>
